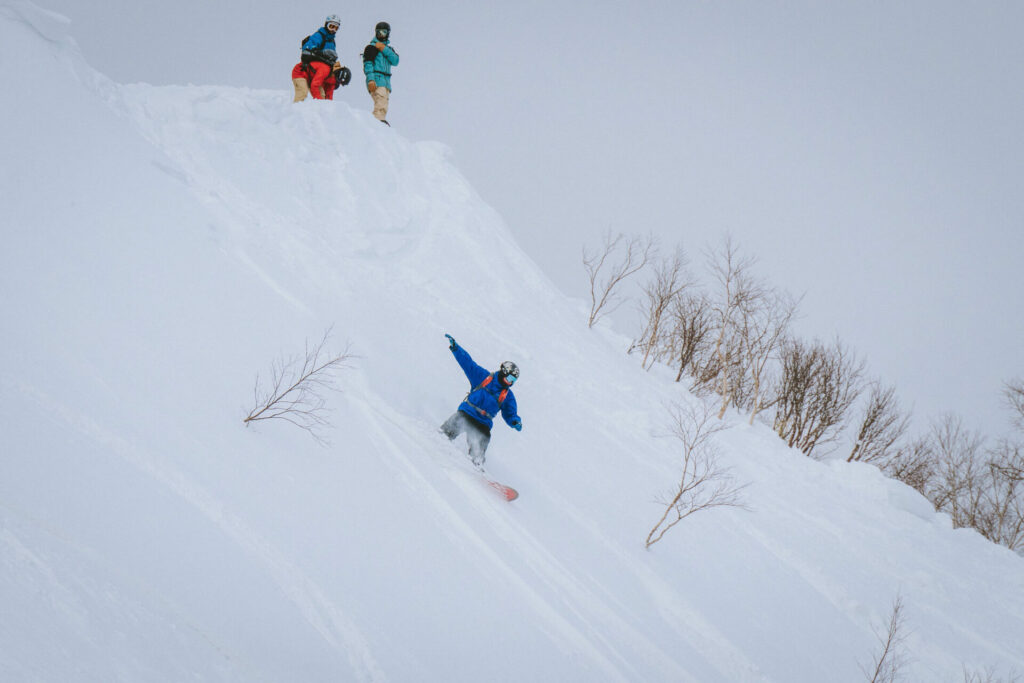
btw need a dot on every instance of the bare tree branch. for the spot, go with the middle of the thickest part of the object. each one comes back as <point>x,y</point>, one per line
<point>989,675</point>
<point>295,390</point>
<point>979,487</point>
<point>819,384</point>
<point>913,464</point>
<point>763,329</point>
<point>606,275</point>
<point>1014,394</point>
<point>881,427</point>
<point>691,328</point>
<point>704,484</point>
<point>888,664</point>
<point>669,281</point>
<point>736,292</point>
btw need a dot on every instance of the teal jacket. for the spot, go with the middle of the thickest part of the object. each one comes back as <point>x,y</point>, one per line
<point>377,63</point>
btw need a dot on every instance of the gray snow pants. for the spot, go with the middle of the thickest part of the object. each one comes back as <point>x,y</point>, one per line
<point>477,435</point>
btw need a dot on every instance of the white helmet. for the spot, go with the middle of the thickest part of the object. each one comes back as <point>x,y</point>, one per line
<point>332,19</point>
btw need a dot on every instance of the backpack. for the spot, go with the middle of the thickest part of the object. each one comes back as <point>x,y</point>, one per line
<point>501,396</point>
<point>303,57</point>
<point>370,53</point>
<point>307,58</point>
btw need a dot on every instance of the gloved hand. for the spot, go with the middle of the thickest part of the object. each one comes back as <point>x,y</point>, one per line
<point>517,423</point>
<point>452,344</point>
<point>380,46</point>
<point>371,86</point>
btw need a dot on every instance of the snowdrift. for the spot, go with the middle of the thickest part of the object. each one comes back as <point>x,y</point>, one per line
<point>163,246</point>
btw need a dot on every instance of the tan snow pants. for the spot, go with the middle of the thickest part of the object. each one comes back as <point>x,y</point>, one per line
<point>380,103</point>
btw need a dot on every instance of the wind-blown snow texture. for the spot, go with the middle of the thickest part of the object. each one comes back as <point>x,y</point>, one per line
<point>161,246</point>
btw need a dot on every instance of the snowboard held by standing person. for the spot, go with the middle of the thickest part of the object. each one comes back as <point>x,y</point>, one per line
<point>378,58</point>
<point>490,394</point>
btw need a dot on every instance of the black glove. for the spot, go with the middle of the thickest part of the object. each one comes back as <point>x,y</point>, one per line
<point>452,343</point>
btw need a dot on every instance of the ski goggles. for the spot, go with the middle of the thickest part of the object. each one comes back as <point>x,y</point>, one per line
<point>333,27</point>
<point>510,379</point>
<point>383,32</point>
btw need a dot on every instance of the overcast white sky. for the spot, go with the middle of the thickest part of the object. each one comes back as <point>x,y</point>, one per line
<point>870,154</point>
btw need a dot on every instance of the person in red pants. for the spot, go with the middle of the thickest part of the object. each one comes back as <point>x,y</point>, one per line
<point>302,77</point>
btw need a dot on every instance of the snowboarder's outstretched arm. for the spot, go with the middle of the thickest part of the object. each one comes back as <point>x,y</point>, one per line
<point>474,373</point>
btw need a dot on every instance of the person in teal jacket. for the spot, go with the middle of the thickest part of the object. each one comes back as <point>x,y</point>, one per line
<point>490,393</point>
<point>378,58</point>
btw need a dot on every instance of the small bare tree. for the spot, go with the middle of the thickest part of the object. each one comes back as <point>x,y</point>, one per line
<point>668,282</point>
<point>1014,393</point>
<point>606,270</point>
<point>989,675</point>
<point>884,423</point>
<point>818,386</point>
<point>763,329</point>
<point>958,485</point>
<point>703,484</point>
<point>736,291</point>
<point>691,328</point>
<point>1001,515</point>
<point>296,387</point>
<point>913,464</point>
<point>979,487</point>
<point>887,664</point>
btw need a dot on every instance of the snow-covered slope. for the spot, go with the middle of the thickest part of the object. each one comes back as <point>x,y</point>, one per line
<point>162,246</point>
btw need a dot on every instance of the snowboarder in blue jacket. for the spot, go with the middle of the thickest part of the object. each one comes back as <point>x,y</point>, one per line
<point>319,54</point>
<point>491,392</point>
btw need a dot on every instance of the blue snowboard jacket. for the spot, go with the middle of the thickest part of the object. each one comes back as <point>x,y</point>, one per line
<point>481,403</point>
<point>379,70</point>
<point>318,42</point>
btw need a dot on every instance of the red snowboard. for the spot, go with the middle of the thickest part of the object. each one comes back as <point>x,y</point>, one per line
<point>507,492</point>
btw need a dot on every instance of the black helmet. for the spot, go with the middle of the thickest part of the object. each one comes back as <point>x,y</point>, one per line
<point>509,372</point>
<point>383,30</point>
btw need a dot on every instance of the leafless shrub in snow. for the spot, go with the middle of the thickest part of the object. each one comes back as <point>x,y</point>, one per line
<point>1000,517</point>
<point>978,486</point>
<point>736,293</point>
<point>913,464</point>
<point>889,662</point>
<point>295,391</point>
<point>763,329</point>
<point>607,268</point>
<point>687,345</point>
<point>882,426</point>
<point>1014,394</point>
<point>668,282</point>
<point>819,384</point>
<point>989,675</point>
<point>957,485</point>
<point>1013,467</point>
<point>703,484</point>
